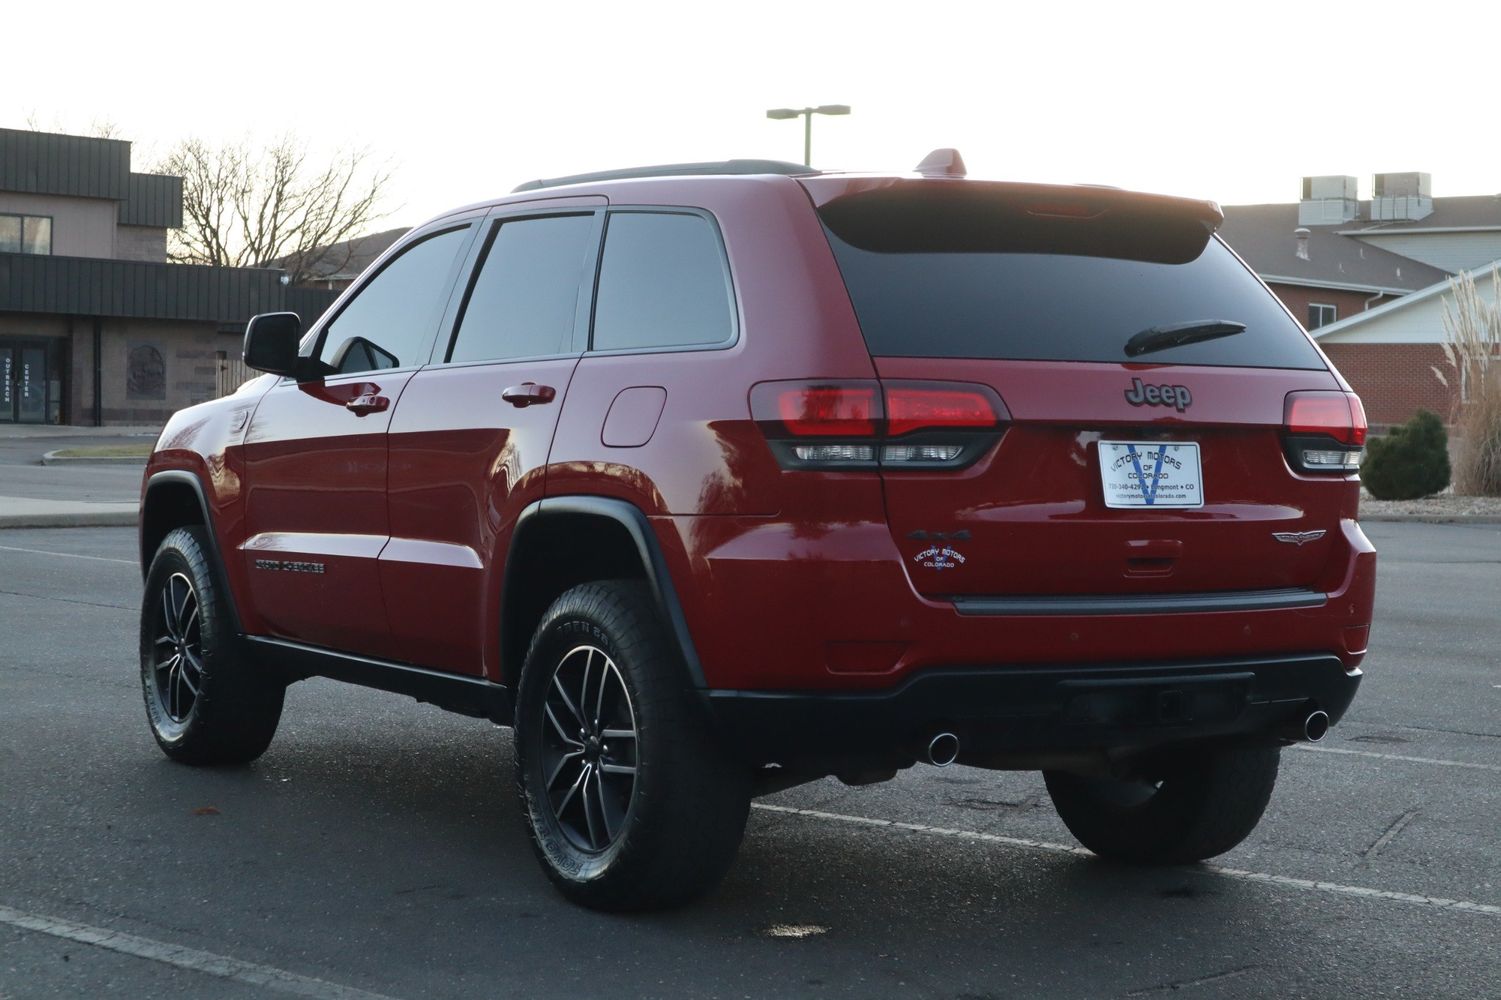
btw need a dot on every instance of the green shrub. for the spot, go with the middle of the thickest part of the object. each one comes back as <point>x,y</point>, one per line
<point>1411,461</point>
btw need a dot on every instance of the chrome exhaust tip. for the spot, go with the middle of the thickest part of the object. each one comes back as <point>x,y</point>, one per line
<point>943,750</point>
<point>1316,726</point>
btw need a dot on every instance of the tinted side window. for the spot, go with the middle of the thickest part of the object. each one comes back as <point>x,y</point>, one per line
<point>389,321</point>
<point>524,299</point>
<point>662,283</point>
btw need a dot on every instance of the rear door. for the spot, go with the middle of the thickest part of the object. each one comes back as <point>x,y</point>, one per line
<point>470,440</point>
<point>315,455</point>
<point>1118,473</point>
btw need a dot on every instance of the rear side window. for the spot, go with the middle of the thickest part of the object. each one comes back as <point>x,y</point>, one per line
<point>526,293</point>
<point>662,283</point>
<point>971,280</point>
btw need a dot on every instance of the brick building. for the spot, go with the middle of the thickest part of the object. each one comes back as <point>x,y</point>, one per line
<point>1369,278</point>
<point>95,326</point>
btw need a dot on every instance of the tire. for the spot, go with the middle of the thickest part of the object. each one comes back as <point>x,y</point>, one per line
<point>206,700</point>
<point>1202,805</point>
<point>630,801</point>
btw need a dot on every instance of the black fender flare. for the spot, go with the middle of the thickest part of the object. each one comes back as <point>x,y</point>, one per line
<point>654,566</point>
<point>181,477</point>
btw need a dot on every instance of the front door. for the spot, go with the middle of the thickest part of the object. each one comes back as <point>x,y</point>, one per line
<point>315,455</point>
<point>23,385</point>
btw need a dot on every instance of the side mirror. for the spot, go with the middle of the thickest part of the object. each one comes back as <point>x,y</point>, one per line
<point>271,343</point>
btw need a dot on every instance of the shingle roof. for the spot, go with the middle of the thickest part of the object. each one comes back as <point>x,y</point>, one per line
<point>1481,211</point>
<point>344,261</point>
<point>1263,235</point>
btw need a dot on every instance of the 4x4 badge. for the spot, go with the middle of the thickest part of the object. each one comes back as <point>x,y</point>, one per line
<point>1298,537</point>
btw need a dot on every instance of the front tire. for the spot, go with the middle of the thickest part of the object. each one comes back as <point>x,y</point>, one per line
<point>1184,811</point>
<point>630,801</point>
<point>206,699</point>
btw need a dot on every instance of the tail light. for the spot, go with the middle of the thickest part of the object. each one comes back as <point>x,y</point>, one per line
<point>1324,431</point>
<point>867,425</point>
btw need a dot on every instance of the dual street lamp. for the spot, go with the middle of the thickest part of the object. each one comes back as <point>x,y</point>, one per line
<point>781,114</point>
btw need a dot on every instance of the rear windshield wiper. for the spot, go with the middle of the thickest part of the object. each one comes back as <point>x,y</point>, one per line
<point>1157,338</point>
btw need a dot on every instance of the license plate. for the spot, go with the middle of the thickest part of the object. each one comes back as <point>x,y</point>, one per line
<point>1151,474</point>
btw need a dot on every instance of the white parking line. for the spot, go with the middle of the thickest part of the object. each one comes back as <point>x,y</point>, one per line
<point>1333,888</point>
<point>65,555</point>
<point>1396,756</point>
<point>221,966</point>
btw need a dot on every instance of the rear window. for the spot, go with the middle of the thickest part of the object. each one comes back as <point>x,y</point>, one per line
<point>947,276</point>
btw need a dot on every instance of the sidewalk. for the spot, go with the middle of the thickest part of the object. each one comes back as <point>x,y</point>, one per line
<point>9,432</point>
<point>24,512</point>
<point>33,495</point>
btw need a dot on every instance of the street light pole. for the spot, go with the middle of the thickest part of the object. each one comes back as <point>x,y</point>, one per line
<point>807,115</point>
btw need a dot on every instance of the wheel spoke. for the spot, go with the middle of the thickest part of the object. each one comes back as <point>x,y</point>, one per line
<point>182,673</point>
<point>563,761</point>
<point>599,701</point>
<point>611,824</point>
<point>589,807</point>
<point>167,621</point>
<point>572,790</point>
<point>563,734</point>
<point>191,621</point>
<point>166,640</point>
<point>584,688</point>
<point>179,605</point>
<point>618,734</point>
<point>557,682</point>
<point>172,691</point>
<point>617,768</point>
<point>168,664</point>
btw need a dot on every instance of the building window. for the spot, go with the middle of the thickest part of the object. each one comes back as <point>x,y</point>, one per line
<point>25,234</point>
<point>1321,315</point>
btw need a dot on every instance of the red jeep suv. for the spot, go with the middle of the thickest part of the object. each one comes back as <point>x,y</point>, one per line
<point>717,478</point>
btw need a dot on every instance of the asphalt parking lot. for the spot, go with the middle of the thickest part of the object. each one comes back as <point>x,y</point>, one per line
<point>376,848</point>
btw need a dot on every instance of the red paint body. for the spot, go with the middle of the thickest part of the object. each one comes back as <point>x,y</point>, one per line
<point>789,579</point>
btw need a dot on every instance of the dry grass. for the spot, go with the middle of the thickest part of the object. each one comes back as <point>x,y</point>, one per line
<point>1472,346</point>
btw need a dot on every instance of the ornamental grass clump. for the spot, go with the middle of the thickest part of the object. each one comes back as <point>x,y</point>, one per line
<point>1472,346</point>
<point>1409,462</point>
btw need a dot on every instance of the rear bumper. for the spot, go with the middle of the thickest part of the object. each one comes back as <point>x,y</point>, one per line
<point>1019,711</point>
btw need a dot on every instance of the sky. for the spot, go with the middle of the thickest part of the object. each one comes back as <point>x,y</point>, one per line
<point>1232,102</point>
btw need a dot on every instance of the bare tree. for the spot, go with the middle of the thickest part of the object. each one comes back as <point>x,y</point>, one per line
<point>245,206</point>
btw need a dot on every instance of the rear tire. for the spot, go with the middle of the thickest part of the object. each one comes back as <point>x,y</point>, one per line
<point>206,699</point>
<point>630,801</point>
<point>1200,806</point>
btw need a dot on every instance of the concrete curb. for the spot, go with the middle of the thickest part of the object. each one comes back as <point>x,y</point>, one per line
<point>84,519</point>
<point>54,458</point>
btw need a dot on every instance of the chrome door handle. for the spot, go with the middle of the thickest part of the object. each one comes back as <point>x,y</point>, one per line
<point>368,403</point>
<point>528,393</point>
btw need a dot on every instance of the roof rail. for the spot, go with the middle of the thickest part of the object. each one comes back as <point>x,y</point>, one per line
<point>673,170</point>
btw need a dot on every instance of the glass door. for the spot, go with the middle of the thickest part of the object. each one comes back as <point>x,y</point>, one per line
<point>30,385</point>
<point>7,385</point>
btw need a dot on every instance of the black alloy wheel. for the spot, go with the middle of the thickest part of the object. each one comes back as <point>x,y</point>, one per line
<point>207,698</point>
<point>589,748</point>
<point>178,650</point>
<point>631,800</point>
